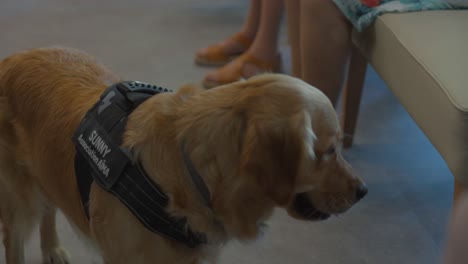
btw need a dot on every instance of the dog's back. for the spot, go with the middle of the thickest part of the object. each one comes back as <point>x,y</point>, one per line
<point>44,93</point>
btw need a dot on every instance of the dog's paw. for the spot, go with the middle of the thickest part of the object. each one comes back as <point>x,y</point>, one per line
<point>57,255</point>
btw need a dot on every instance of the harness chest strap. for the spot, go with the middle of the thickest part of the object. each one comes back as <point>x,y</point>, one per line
<point>99,158</point>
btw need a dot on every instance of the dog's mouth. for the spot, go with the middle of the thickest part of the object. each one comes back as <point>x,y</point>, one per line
<point>304,208</point>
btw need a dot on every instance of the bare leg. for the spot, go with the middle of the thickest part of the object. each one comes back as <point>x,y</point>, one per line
<point>232,45</point>
<point>264,48</point>
<point>265,45</point>
<point>293,15</point>
<point>50,245</point>
<point>252,21</point>
<point>324,46</point>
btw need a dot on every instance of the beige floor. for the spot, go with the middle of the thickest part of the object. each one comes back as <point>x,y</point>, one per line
<point>403,218</point>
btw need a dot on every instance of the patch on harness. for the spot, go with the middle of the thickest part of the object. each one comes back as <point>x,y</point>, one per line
<point>102,154</point>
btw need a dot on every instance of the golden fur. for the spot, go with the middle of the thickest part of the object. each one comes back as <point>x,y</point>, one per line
<point>257,144</point>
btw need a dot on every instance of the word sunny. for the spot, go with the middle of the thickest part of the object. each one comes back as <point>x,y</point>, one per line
<point>97,150</point>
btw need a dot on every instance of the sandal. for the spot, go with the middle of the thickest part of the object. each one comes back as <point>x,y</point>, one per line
<point>234,71</point>
<point>216,55</point>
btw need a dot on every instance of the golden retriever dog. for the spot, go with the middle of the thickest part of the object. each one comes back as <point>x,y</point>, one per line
<point>269,142</point>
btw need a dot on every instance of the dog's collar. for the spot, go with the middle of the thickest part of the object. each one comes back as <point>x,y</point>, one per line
<point>100,158</point>
<point>197,180</point>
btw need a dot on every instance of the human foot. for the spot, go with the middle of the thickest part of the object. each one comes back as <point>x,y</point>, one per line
<point>242,67</point>
<point>223,52</point>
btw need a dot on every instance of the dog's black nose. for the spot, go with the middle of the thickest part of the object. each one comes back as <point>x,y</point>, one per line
<point>361,191</point>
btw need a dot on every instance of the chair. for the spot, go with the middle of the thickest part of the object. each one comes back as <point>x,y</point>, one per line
<point>423,58</point>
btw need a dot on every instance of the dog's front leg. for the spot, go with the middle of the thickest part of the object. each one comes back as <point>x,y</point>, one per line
<point>52,252</point>
<point>14,246</point>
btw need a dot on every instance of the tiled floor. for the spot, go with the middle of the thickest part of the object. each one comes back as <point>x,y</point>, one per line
<point>403,218</point>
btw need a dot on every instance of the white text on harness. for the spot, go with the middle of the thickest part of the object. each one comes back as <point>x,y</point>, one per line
<point>99,144</point>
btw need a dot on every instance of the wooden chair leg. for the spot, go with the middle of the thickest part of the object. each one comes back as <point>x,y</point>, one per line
<point>458,190</point>
<point>352,95</point>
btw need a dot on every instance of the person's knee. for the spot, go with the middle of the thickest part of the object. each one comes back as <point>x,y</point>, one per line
<point>324,17</point>
<point>322,10</point>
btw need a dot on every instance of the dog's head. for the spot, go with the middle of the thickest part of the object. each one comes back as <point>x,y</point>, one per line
<point>292,147</point>
<point>270,141</point>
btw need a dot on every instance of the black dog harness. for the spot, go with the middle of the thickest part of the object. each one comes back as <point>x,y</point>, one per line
<point>100,158</point>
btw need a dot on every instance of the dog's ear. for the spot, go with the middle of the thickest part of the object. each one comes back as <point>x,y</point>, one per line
<point>272,153</point>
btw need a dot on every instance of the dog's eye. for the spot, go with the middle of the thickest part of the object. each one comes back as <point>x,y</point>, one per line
<point>330,151</point>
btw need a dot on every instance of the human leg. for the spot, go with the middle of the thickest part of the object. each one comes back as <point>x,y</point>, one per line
<point>263,53</point>
<point>293,19</point>
<point>221,53</point>
<point>325,39</point>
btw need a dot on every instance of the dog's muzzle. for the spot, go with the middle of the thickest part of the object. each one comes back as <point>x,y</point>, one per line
<point>303,207</point>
